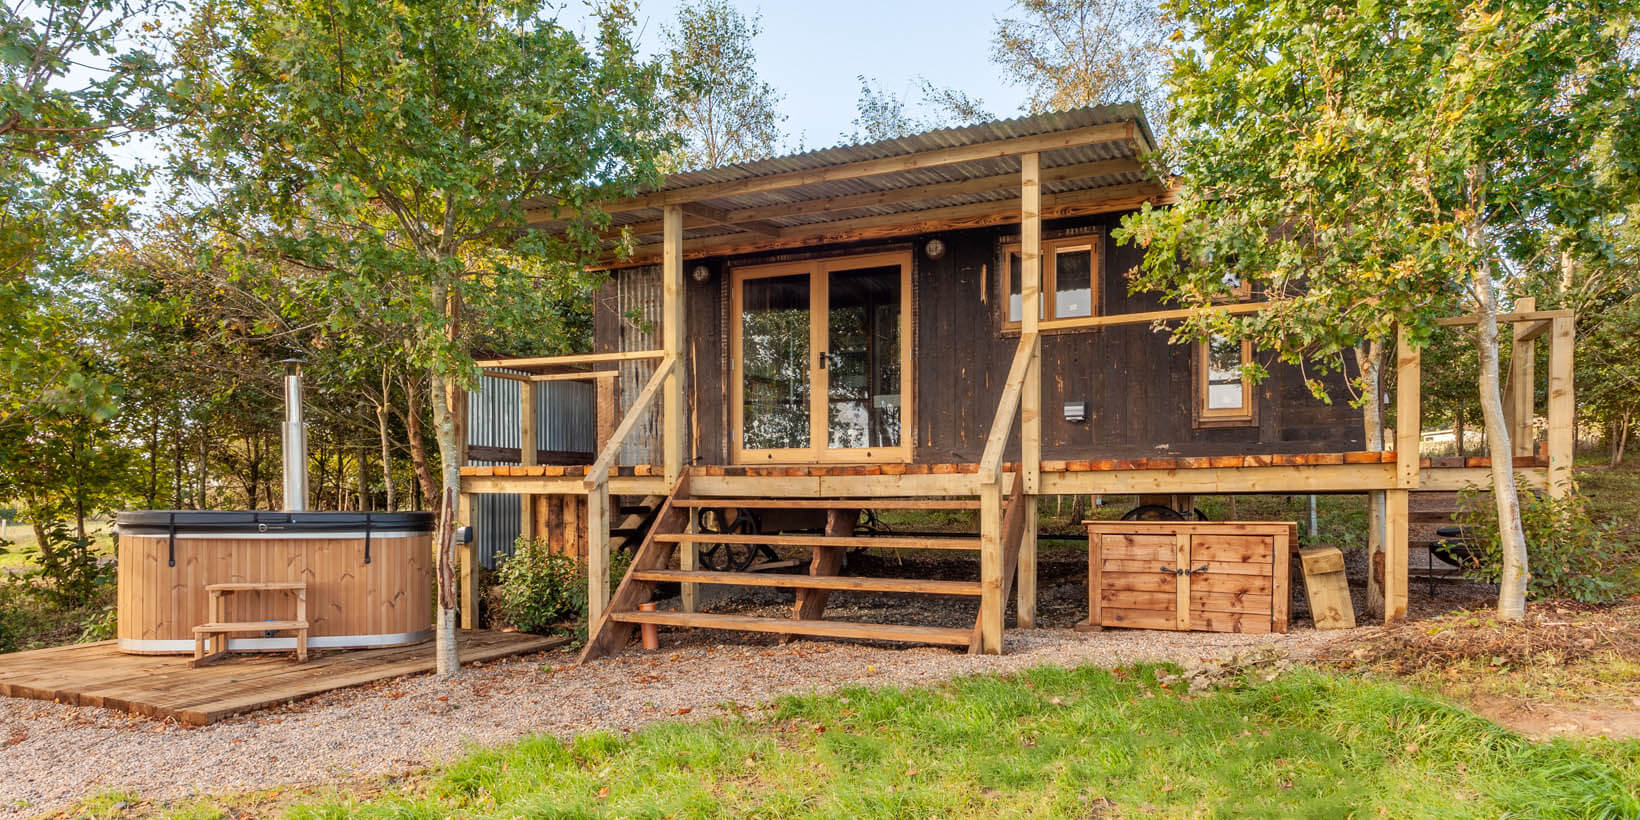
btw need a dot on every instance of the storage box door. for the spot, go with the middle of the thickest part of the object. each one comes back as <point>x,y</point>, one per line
<point>1134,583</point>
<point>1232,582</point>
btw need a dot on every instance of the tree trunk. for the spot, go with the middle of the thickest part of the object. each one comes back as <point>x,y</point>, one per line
<point>443,395</point>
<point>1369,361</point>
<point>365,501</point>
<point>204,454</point>
<point>382,408</point>
<point>1512,585</point>
<point>1457,428</point>
<point>418,448</point>
<point>1620,438</point>
<point>153,461</point>
<point>176,463</point>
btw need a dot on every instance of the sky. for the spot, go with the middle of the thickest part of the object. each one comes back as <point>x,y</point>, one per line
<point>813,52</point>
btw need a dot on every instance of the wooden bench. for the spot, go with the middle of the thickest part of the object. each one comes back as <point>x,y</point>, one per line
<point>219,628</point>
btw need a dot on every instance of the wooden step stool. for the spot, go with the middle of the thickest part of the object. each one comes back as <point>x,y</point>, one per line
<point>219,628</point>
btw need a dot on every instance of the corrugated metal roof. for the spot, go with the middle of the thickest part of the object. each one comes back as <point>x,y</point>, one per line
<point>645,221</point>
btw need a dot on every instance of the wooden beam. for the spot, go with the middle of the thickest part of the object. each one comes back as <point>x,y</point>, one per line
<point>719,216</point>
<point>579,358</point>
<point>895,196</point>
<point>1109,132</point>
<point>1456,479</point>
<point>1025,612</point>
<point>1520,400</point>
<point>1521,316</point>
<point>597,551</point>
<point>673,427</point>
<point>1327,478</point>
<point>1396,536</point>
<point>1111,199</point>
<point>1002,421</point>
<point>527,454</point>
<point>1030,290</point>
<point>587,375</point>
<point>469,573</point>
<point>598,473</point>
<point>1562,407</point>
<point>562,485</point>
<point>991,602</point>
<point>1408,410</point>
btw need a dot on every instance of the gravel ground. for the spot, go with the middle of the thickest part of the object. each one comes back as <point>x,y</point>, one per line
<point>56,755</point>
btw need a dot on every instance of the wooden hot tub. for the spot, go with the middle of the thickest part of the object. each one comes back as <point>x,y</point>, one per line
<point>368,575</point>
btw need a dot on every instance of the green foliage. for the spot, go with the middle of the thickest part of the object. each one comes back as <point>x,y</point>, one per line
<point>881,114</point>
<point>1572,555</point>
<point>70,566</point>
<point>537,589</point>
<point>1048,742</point>
<point>1072,53</point>
<point>32,615</point>
<point>724,114</point>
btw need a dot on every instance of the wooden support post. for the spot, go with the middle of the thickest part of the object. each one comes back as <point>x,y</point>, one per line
<point>597,551</point>
<point>1025,615</point>
<point>991,603</point>
<point>1408,410</point>
<point>468,592</point>
<point>673,426</point>
<point>1562,407</point>
<point>607,408</point>
<point>528,454</point>
<point>811,603</point>
<point>689,561</point>
<point>1520,403</point>
<point>1030,291</point>
<point>1396,536</point>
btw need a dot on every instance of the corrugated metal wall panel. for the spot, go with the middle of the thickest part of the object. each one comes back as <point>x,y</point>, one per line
<point>638,303</point>
<point>566,419</point>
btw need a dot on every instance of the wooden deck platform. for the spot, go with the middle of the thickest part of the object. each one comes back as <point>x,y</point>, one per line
<point>170,687</point>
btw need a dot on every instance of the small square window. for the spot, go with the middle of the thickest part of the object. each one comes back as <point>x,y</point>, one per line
<point>1070,282</point>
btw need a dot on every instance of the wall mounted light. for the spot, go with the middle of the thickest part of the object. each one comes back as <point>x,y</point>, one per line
<point>1076,412</point>
<point>700,273</point>
<point>935,248</point>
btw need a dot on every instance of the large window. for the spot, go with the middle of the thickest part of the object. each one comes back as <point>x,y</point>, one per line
<point>1070,281</point>
<point>1224,396</point>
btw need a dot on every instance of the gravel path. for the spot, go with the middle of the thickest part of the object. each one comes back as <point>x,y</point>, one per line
<point>55,755</point>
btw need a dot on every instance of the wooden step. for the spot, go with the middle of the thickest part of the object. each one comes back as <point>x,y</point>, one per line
<point>250,626</point>
<point>851,541</point>
<point>943,636</point>
<point>750,579</point>
<point>834,504</point>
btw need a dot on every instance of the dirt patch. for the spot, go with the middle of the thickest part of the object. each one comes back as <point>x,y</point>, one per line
<point>1541,720</point>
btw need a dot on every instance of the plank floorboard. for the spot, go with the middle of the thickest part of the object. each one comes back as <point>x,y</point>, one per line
<point>169,687</point>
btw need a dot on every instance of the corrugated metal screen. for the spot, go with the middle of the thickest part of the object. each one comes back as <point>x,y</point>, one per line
<point>566,419</point>
<point>638,302</point>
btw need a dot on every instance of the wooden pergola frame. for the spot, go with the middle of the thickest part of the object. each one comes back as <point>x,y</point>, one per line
<point>1021,399</point>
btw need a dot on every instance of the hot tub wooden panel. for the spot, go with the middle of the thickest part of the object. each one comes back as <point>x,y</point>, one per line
<point>386,602</point>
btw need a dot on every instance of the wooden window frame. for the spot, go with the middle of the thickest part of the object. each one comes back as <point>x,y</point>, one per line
<point>819,269</point>
<point>1206,417</point>
<point>1093,242</point>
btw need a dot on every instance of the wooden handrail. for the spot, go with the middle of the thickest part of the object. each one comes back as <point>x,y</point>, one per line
<point>578,358</point>
<point>598,473</point>
<point>1506,318</point>
<point>1002,423</point>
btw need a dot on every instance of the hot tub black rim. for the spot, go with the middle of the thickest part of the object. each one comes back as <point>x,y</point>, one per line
<point>317,522</point>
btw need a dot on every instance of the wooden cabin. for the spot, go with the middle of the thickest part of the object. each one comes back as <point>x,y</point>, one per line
<point>940,321</point>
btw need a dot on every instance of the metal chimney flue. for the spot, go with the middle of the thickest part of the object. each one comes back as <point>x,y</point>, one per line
<point>293,435</point>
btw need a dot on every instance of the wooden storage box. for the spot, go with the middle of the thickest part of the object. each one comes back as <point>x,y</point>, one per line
<point>1215,576</point>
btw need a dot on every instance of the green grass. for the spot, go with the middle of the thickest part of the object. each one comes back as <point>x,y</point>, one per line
<point>1048,743</point>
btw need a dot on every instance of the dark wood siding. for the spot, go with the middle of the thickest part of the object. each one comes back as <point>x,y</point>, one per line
<point>1138,387</point>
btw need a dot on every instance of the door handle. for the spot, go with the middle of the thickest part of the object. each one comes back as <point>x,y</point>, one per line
<point>822,357</point>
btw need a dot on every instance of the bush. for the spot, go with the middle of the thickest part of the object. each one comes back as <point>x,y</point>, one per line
<point>32,617</point>
<point>537,589</point>
<point>1569,554</point>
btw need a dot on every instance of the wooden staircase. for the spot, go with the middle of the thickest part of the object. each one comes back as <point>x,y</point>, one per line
<point>654,561</point>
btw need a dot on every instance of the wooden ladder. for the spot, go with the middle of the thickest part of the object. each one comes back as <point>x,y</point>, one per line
<point>652,565</point>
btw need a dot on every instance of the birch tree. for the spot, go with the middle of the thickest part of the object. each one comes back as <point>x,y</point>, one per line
<point>392,150</point>
<point>1375,166</point>
<point>716,102</point>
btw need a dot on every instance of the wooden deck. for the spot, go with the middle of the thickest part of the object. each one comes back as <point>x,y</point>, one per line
<point>170,687</point>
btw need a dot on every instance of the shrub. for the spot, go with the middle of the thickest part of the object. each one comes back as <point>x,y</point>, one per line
<point>1569,554</point>
<point>537,589</point>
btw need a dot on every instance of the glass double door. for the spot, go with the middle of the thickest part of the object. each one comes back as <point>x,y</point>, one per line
<point>822,359</point>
